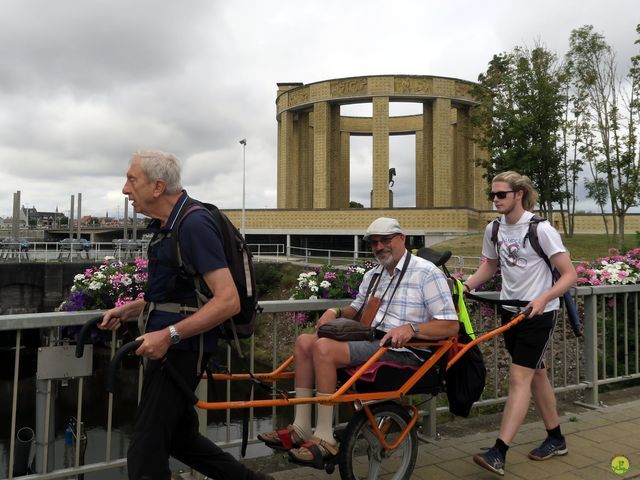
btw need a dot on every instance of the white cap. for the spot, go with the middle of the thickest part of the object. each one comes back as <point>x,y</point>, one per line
<point>383,226</point>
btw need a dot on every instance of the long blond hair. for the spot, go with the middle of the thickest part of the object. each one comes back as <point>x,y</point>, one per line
<point>520,183</point>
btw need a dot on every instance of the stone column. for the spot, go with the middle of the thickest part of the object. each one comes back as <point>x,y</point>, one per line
<point>305,162</point>
<point>336,193</point>
<point>426,168</point>
<point>321,155</point>
<point>286,161</point>
<point>464,157</point>
<point>345,170</point>
<point>443,184</point>
<point>421,185</point>
<point>380,194</point>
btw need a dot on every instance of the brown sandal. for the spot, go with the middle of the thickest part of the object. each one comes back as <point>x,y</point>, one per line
<point>284,439</point>
<point>313,453</point>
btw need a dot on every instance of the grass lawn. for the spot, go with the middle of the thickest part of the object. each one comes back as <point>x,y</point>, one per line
<point>582,247</point>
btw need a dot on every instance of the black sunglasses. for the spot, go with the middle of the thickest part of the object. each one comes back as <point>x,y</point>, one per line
<point>500,195</point>
<point>386,240</point>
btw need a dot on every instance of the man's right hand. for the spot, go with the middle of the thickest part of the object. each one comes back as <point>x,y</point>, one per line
<point>114,317</point>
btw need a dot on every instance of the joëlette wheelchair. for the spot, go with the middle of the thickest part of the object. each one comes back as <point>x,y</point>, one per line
<point>380,438</point>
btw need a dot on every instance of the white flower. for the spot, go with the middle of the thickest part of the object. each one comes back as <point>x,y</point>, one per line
<point>360,270</point>
<point>73,288</point>
<point>79,277</point>
<point>95,285</point>
<point>98,276</point>
<point>109,258</point>
<point>313,297</point>
<point>126,280</point>
<point>325,284</point>
<point>313,288</point>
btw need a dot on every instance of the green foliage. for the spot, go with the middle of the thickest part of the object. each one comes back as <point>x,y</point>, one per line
<point>353,204</point>
<point>268,278</point>
<point>521,109</point>
<point>608,121</point>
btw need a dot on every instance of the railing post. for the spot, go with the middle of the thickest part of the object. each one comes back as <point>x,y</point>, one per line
<point>591,349</point>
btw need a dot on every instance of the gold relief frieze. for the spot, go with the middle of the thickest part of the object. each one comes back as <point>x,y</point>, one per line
<point>410,85</point>
<point>349,87</point>
<point>298,96</point>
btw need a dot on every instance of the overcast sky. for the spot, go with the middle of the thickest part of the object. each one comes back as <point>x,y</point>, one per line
<point>83,83</point>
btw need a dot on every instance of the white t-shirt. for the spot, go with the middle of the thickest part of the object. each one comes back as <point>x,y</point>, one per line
<point>525,275</point>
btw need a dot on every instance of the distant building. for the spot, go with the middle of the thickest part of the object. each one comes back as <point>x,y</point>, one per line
<point>31,216</point>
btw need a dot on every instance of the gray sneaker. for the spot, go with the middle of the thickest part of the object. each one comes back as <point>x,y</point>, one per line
<point>549,448</point>
<point>492,460</point>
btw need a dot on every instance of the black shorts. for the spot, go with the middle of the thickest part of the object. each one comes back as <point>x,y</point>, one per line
<point>528,341</point>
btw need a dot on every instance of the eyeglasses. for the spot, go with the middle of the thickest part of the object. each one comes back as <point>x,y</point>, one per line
<point>386,240</point>
<point>500,195</point>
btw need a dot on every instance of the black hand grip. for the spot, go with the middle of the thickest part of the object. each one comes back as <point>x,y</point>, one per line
<point>526,313</point>
<point>115,362</point>
<point>84,334</point>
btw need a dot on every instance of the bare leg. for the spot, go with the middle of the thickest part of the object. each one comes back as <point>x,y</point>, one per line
<point>304,380</point>
<point>545,399</point>
<point>515,410</point>
<point>328,356</point>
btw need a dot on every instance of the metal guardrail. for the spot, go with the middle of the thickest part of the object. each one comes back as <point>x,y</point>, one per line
<point>609,352</point>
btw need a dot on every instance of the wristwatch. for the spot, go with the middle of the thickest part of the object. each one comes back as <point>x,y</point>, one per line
<point>174,336</point>
<point>415,327</point>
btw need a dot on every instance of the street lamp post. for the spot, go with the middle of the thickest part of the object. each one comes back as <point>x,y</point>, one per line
<point>243,142</point>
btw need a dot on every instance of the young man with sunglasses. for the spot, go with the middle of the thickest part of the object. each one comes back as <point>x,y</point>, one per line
<point>525,276</point>
<point>412,299</point>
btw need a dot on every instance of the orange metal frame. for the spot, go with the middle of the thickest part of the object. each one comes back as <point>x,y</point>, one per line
<point>343,394</point>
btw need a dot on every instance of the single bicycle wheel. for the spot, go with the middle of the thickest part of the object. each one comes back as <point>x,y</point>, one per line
<point>362,455</point>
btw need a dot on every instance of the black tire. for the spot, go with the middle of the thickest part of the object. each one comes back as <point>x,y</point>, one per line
<point>361,454</point>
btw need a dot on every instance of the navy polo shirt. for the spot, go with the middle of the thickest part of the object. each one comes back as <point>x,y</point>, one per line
<point>201,246</point>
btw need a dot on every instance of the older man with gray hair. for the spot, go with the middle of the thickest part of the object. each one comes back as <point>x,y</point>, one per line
<point>406,296</point>
<point>178,329</point>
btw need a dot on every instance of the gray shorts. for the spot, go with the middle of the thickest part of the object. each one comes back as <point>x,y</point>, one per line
<point>360,352</point>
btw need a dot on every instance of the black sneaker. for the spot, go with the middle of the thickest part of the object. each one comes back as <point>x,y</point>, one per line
<point>549,448</point>
<point>492,460</point>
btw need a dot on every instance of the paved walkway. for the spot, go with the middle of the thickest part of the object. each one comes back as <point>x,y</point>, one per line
<point>594,438</point>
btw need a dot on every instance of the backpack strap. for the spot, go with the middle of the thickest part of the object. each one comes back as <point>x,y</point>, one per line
<point>532,235</point>
<point>495,226</point>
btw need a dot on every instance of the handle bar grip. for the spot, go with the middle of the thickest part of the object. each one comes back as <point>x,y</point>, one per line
<point>84,334</point>
<point>115,362</point>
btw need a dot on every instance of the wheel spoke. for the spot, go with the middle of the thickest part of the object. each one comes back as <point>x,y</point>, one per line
<point>374,467</point>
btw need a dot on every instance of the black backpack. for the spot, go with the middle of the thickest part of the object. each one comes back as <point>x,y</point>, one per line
<point>532,235</point>
<point>240,261</point>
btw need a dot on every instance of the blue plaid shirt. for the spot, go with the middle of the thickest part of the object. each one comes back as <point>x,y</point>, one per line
<point>423,294</point>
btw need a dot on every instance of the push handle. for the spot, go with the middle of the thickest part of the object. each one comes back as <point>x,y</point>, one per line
<point>515,320</point>
<point>170,370</point>
<point>115,362</point>
<point>85,331</point>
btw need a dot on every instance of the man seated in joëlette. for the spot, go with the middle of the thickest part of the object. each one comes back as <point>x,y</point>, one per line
<point>406,297</point>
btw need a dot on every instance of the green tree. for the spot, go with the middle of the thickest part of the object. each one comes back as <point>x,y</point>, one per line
<point>354,204</point>
<point>613,150</point>
<point>519,117</point>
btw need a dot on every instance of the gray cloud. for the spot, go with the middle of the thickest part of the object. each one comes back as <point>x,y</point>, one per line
<point>83,84</point>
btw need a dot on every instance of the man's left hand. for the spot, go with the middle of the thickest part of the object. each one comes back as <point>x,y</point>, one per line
<point>397,337</point>
<point>537,306</point>
<point>154,344</point>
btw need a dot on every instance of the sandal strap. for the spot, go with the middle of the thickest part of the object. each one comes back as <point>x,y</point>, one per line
<point>285,438</point>
<point>316,453</point>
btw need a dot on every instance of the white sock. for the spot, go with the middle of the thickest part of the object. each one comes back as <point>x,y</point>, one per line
<point>324,427</point>
<point>302,421</point>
